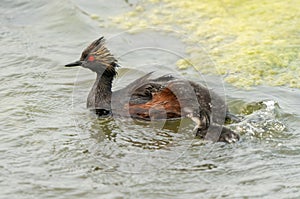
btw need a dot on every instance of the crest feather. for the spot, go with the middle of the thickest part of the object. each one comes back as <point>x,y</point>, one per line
<point>99,51</point>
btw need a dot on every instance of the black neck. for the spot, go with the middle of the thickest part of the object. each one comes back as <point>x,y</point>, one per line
<point>100,94</point>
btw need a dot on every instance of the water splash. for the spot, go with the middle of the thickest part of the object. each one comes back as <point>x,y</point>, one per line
<point>262,120</point>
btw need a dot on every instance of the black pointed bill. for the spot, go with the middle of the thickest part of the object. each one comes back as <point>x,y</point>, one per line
<point>77,63</point>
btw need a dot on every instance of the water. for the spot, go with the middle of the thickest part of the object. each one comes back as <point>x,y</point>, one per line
<point>52,147</point>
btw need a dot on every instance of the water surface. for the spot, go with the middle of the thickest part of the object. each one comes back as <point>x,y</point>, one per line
<point>52,147</point>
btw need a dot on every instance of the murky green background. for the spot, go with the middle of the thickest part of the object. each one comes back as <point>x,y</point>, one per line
<point>52,147</point>
<point>252,42</point>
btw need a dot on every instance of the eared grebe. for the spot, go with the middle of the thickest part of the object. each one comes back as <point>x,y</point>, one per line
<point>165,97</point>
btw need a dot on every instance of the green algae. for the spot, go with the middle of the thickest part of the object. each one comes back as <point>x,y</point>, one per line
<point>251,42</point>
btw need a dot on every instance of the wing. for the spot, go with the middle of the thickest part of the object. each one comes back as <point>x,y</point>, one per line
<point>139,93</point>
<point>143,91</point>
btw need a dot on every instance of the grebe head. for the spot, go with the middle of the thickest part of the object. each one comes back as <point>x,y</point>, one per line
<point>97,58</point>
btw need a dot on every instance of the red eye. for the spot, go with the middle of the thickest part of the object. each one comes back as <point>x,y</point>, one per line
<point>91,58</point>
